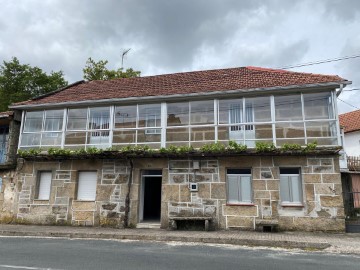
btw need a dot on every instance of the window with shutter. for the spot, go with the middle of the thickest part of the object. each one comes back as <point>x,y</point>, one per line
<point>44,186</point>
<point>87,186</point>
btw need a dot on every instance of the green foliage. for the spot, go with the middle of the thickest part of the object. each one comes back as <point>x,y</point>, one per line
<point>30,152</point>
<point>59,152</point>
<point>19,82</point>
<point>311,146</point>
<point>236,147</point>
<point>262,147</point>
<point>290,147</point>
<point>213,148</point>
<point>98,71</point>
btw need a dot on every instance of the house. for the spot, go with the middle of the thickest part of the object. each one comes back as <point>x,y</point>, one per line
<point>350,122</point>
<point>182,157</point>
<point>9,134</point>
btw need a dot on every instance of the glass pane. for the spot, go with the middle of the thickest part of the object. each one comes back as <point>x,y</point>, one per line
<point>75,138</point>
<point>230,111</point>
<point>324,141</point>
<point>284,189</point>
<point>54,120</point>
<point>261,132</point>
<point>202,112</point>
<point>233,189</point>
<point>257,109</point>
<point>150,115</point>
<point>202,134</point>
<point>223,133</point>
<point>321,129</point>
<point>99,118</point>
<point>125,116</point>
<point>177,144</point>
<point>280,142</point>
<point>290,130</point>
<point>245,189</point>
<point>124,136</point>
<point>30,139</point>
<point>288,108</point>
<point>318,106</point>
<point>33,121</point>
<point>178,114</point>
<point>296,189</point>
<point>177,134</point>
<point>149,135</point>
<point>77,119</point>
<point>51,138</point>
<point>98,137</point>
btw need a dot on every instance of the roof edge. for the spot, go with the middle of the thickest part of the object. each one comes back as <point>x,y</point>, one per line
<point>51,93</point>
<point>167,97</point>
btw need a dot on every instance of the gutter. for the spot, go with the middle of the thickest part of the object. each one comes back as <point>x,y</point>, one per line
<point>227,93</point>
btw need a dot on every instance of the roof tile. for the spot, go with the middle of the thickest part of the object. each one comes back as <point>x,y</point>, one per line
<point>182,83</point>
<point>350,121</point>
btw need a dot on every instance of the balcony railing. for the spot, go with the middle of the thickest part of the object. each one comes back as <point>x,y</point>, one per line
<point>353,163</point>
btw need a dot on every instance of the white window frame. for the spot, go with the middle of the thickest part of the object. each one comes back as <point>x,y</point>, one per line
<point>86,186</point>
<point>44,185</point>
<point>290,191</point>
<point>241,177</point>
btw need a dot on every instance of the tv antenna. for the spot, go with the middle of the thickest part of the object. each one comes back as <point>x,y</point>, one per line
<point>123,55</point>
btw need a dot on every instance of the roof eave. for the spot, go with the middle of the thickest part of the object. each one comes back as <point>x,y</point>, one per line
<point>180,96</point>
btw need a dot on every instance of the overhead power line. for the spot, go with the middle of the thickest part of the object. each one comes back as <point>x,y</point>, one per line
<point>321,61</point>
<point>349,104</point>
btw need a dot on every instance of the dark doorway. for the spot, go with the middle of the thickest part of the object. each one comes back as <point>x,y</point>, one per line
<point>152,198</point>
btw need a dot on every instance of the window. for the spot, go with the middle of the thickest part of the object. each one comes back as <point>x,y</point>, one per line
<point>239,186</point>
<point>150,118</point>
<point>4,136</point>
<point>44,186</point>
<point>290,186</point>
<point>87,186</point>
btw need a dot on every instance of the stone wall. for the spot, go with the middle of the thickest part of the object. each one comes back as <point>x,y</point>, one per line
<point>108,208</point>
<point>322,207</point>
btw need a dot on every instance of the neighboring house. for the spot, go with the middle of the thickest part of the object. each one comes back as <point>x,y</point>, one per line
<point>9,134</point>
<point>350,123</point>
<point>292,190</point>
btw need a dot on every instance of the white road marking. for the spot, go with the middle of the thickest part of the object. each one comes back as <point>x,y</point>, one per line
<point>25,267</point>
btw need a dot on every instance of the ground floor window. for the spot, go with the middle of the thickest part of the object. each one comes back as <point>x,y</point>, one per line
<point>44,186</point>
<point>239,186</point>
<point>290,186</point>
<point>87,186</point>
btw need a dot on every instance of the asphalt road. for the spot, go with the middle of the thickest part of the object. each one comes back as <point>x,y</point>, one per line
<point>37,253</point>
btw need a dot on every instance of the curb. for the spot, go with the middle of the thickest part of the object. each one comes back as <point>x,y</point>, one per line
<point>169,238</point>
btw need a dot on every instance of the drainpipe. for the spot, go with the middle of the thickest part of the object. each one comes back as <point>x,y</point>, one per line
<point>127,199</point>
<point>340,90</point>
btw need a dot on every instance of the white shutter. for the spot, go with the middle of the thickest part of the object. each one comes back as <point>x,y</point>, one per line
<point>87,186</point>
<point>44,186</point>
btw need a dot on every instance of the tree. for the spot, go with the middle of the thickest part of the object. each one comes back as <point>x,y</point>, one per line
<point>19,82</point>
<point>98,71</point>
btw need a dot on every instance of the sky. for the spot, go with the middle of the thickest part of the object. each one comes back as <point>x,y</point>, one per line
<point>167,36</point>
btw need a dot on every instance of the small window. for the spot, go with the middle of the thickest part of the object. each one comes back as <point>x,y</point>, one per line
<point>290,186</point>
<point>87,186</point>
<point>44,186</point>
<point>239,186</point>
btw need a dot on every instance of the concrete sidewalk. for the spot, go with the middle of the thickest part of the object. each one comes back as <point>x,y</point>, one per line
<point>339,243</point>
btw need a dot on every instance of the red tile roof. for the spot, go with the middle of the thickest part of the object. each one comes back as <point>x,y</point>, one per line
<point>183,83</point>
<point>350,121</point>
<point>6,114</point>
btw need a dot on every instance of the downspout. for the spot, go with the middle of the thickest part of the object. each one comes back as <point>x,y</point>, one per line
<point>127,199</point>
<point>340,90</point>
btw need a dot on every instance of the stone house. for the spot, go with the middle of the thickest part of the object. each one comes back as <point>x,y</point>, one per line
<point>180,130</point>
<point>9,134</point>
<point>350,171</point>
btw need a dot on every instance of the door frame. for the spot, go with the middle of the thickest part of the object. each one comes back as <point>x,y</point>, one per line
<point>144,175</point>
